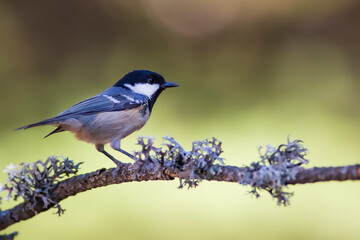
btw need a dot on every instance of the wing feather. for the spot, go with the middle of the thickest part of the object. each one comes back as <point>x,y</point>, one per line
<point>104,103</point>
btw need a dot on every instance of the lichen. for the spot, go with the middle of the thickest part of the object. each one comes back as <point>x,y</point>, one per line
<point>191,166</point>
<point>35,181</point>
<point>276,166</point>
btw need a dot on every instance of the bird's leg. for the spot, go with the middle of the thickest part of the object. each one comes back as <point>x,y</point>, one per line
<point>115,144</point>
<point>100,148</point>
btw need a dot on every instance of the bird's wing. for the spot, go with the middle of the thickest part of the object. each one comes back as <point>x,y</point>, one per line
<point>105,103</point>
<point>96,104</point>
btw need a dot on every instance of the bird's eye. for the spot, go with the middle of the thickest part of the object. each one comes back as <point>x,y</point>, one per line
<point>151,80</point>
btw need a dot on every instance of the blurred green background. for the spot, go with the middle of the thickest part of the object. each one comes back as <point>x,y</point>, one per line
<point>251,73</point>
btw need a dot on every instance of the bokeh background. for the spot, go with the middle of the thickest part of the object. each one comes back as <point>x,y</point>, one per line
<point>251,73</point>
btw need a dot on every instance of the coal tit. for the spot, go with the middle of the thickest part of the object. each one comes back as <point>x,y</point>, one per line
<point>113,114</point>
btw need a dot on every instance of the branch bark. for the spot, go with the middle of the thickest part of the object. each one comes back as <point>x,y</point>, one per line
<point>149,172</point>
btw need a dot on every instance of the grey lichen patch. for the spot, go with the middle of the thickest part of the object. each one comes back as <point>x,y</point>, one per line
<point>276,167</point>
<point>191,166</point>
<point>149,159</point>
<point>35,181</point>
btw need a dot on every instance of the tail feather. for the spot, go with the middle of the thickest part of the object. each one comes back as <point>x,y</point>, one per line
<point>57,130</point>
<point>49,121</point>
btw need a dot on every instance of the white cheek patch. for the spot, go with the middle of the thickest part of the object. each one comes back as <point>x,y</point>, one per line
<point>144,88</point>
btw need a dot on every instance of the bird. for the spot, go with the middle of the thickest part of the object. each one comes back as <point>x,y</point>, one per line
<point>113,114</point>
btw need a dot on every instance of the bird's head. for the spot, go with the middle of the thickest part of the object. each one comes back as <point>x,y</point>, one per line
<point>145,82</point>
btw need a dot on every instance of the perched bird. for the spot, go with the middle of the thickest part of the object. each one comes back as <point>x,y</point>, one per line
<point>113,114</point>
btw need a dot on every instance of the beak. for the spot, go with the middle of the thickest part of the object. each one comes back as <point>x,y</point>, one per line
<point>169,85</point>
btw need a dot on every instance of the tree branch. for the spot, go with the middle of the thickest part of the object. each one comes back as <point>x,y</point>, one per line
<point>277,168</point>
